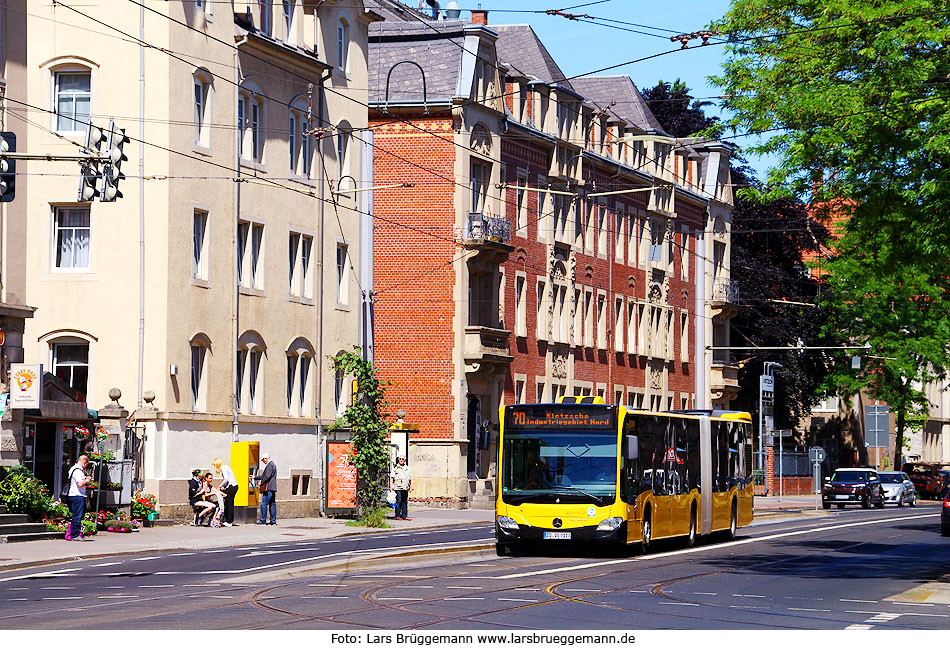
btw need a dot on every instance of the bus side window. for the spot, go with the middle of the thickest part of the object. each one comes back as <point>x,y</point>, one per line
<point>630,467</point>
<point>647,453</point>
<point>714,453</point>
<point>692,454</point>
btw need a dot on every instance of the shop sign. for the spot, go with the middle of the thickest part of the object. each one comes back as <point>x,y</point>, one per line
<point>26,385</point>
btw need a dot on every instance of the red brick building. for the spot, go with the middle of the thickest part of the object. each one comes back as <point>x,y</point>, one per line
<point>555,242</point>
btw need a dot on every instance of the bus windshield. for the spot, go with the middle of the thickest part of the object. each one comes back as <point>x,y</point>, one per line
<point>565,466</point>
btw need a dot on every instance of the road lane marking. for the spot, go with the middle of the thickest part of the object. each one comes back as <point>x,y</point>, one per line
<point>694,593</point>
<point>580,590</point>
<point>464,587</point>
<point>114,587</point>
<point>682,604</point>
<point>927,614</point>
<point>911,604</point>
<point>70,597</point>
<point>16,599</point>
<point>737,595</point>
<point>19,588</point>
<point>324,597</point>
<point>159,586</point>
<point>513,599</point>
<point>179,554</point>
<point>145,558</point>
<point>411,586</point>
<point>116,595</point>
<point>858,627</point>
<point>56,588</point>
<point>398,599</point>
<point>48,573</point>
<point>813,610</point>
<point>113,563</point>
<point>860,601</point>
<point>459,599</point>
<point>705,548</point>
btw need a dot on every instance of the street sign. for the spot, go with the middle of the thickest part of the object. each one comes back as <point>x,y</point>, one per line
<point>782,433</point>
<point>767,385</point>
<point>816,454</point>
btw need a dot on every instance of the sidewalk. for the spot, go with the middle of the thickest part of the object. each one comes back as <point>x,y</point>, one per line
<point>184,537</point>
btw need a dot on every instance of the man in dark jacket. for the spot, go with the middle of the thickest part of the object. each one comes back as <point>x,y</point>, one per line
<point>267,484</point>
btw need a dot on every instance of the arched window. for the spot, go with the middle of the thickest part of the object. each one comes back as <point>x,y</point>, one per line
<point>70,359</point>
<point>300,125</point>
<point>248,388</point>
<point>200,350</point>
<point>299,384</point>
<point>202,113</point>
<point>72,98</point>
<point>344,155</point>
<point>342,45</point>
<point>250,122</point>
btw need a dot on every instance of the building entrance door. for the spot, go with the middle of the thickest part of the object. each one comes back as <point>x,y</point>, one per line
<point>474,424</point>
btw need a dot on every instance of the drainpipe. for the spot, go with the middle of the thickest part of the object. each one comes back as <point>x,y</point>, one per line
<point>318,392</point>
<point>699,304</point>
<point>235,303</point>
<point>141,359</point>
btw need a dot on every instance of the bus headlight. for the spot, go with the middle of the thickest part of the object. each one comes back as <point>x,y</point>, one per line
<point>506,523</point>
<point>609,524</point>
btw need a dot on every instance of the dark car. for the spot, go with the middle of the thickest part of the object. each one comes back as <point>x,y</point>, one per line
<point>853,486</point>
<point>945,513</point>
<point>926,477</point>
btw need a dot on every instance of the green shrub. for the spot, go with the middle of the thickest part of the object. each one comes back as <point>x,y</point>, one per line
<point>56,509</point>
<point>372,518</point>
<point>24,494</point>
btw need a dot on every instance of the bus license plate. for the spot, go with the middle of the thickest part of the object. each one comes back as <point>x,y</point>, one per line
<point>557,535</point>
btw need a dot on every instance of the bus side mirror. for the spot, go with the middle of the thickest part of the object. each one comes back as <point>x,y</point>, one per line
<point>633,447</point>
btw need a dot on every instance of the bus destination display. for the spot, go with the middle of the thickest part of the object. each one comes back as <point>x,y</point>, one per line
<point>561,417</point>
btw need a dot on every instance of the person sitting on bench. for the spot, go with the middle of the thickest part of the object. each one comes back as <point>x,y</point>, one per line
<point>201,507</point>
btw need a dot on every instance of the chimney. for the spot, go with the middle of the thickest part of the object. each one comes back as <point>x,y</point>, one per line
<point>479,16</point>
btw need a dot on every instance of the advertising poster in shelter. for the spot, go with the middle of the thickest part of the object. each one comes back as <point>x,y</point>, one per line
<point>341,478</point>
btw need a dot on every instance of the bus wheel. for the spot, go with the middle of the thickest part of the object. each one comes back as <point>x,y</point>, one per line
<point>691,539</point>
<point>647,533</point>
<point>733,523</point>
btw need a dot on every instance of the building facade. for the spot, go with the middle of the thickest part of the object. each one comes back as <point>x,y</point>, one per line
<point>212,292</point>
<point>554,244</point>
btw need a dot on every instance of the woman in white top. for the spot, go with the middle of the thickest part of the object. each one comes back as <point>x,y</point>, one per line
<point>229,488</point>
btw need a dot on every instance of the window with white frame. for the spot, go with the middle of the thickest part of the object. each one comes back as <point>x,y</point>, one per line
<point>300,140</point>
<point>520,391</point>
<point>541,391</point>
<point>618,234</point>
<point>684,337</point>
<point>202,113</point>
<point>289,6</point>
<point>643,314</point>
<point>578,317</point>
<point>589,219</point>
<point>631,327</point>
<point>601,321</point>
<point>71,363</point>
<point>71,238</point>
<point>299,386</point>
<point>199,239</point>
<point>72,97</point>
<point>340,393</point>
<point>251,125</point>
<point>250,242</point>
<point>248,376</point>
<point>267,14</point>
<point>602,230</point>
<point>542,319</point>
<point>521,206</point>
<point>683,253</point>
<point>480,174</point>
<point>657,236</point>
<point>521,327</point>
<point>618,324</point>
<point>588,318</point>
<point>344,155</point>
<point>342,45</point>
<point>300,270</point>
<point>342,274</point>
<point>560,307</point>
<point>199,374</point>
<point>643,242</point>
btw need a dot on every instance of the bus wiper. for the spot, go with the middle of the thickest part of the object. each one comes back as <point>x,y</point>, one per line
<point>580,491</point>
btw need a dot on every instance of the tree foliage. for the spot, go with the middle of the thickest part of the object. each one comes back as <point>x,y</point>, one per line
<point>854,98</point>
<point>678,113</point>
<point>367,419</point>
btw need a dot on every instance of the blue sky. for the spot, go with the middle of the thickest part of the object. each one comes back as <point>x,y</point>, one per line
<point>580,47</point>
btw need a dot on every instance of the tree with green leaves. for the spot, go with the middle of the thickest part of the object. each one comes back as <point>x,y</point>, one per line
<point>676,110</point>
<point>367,419</point>
<point>854,99</point>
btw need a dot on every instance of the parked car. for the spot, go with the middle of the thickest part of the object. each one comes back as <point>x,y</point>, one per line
<point>945,476</point>
<point>898,488</point>
<point>945,513</point>
<point>926,477</point>
<point>855,486</point>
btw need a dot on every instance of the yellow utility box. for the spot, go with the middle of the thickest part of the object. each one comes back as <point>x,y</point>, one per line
<point>245,460</point>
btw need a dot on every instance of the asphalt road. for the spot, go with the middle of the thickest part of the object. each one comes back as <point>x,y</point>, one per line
<point>852,569</point>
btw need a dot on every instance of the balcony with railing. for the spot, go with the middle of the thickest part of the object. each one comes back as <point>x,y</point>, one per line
<point>489,235</point>
<point>725,297</point>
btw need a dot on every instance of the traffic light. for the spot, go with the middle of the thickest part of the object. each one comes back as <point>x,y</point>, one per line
<point>111,170</point>
<point>89,169</point>
<point>7,166</point>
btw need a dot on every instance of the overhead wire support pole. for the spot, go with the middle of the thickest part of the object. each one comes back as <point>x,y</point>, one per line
<point>66,157</point>
<point>369,189</point>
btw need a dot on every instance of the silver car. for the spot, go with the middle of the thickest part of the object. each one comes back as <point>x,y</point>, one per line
<point>898,488</point>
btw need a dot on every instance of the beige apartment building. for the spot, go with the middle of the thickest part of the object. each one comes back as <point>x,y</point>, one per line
<point>214,290</point>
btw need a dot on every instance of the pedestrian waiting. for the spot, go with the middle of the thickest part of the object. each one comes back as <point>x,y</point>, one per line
<point>400,483</point>
<point>267,485</point>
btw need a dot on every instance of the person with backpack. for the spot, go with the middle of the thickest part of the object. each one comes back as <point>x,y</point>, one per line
<point>76,497</point>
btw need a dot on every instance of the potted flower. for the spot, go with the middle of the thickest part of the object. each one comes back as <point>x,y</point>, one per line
<point>144,506</point>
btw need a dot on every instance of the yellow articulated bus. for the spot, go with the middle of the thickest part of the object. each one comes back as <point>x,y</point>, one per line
<point>583,471</point>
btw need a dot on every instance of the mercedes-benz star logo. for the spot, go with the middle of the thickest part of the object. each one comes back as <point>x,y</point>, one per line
<point>557,522</point>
